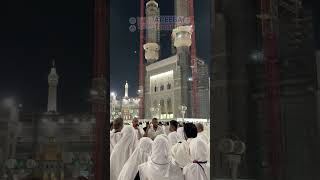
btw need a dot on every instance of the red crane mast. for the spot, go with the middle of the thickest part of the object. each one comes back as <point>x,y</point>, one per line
<point>194,63</point>
<point>272,88</point>
<point>99,87</point>
<point>141,61</point>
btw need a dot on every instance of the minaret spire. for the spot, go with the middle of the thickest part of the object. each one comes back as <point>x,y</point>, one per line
<point>53,80</point>
<point>126,90</point>
<point>152,48</point>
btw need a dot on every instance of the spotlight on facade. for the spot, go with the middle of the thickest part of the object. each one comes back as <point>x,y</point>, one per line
<point>9,102</point>
<point>113,94</point>
<point>93,93</point>
<point>44,120</point>
<point>190,79</point>
<point>75,120</point>
<point>61,121</point>
<point>257,56</point>
<point>92,120</point>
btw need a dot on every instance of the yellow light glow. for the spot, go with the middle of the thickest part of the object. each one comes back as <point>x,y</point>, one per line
<point>162,75</point>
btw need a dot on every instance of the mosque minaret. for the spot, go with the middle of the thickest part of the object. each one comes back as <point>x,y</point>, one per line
<point>126,90</point>
<point>53,80</point>
<point>152,48</point>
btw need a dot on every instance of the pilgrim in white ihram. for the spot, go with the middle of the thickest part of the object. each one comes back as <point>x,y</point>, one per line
<point>122,151</point>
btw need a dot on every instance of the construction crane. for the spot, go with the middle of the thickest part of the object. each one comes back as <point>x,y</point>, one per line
<point>141,62</point>
<point>194,63</point>
<point>272,88</point>
<point>99,84</point>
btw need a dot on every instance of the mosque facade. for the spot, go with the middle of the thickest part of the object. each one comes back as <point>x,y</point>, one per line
<point>168,82</point>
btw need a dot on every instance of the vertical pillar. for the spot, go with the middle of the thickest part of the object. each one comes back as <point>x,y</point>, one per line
<point>100,103</point>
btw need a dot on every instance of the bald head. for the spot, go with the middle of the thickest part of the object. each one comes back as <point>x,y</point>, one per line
<point>199,127</point>
<point>118,124</point>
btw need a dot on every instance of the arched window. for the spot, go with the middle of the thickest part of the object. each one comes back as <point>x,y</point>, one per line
<point>168,86</point>
<point>161,87</point>
<point>162,109</point>
<point>155,103</point>
<point>155,89</point>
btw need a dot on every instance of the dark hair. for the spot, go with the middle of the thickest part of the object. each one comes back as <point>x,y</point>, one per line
<point>154,119</point>
<point>111,125</point>
<point>190,130</point>
<point>118,123</point>
<point>160,123</point>
<point>174,123</point>
<point>167,123</point>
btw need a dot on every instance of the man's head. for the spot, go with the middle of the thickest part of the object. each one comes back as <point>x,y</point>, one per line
<point>118,124</point>
<point>200,127</point>
<point>155,122</point>
<point>173,126</point>
<point>190,130</point>
<point>135,122</point>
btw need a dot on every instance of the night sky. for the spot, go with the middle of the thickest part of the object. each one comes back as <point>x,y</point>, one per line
<point>124,60</point>
<point>34,32</point>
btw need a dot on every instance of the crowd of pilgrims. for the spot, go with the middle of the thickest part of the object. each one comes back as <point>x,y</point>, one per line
<point>171,151</point>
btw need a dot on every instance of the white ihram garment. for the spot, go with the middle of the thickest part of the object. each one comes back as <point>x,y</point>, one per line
<point>200,168</point>
<point>122,151</point>
<point>173,138</point>
<point>114,139</point>
<point>139,132</point>
<point>166,130</point>
<point>181,153</point>
<point>181,134</point>
<point>209,153</point>
<point>202,135</point>
<point>159,165</point>
<point>139,156</point>
<point>154,133</point>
